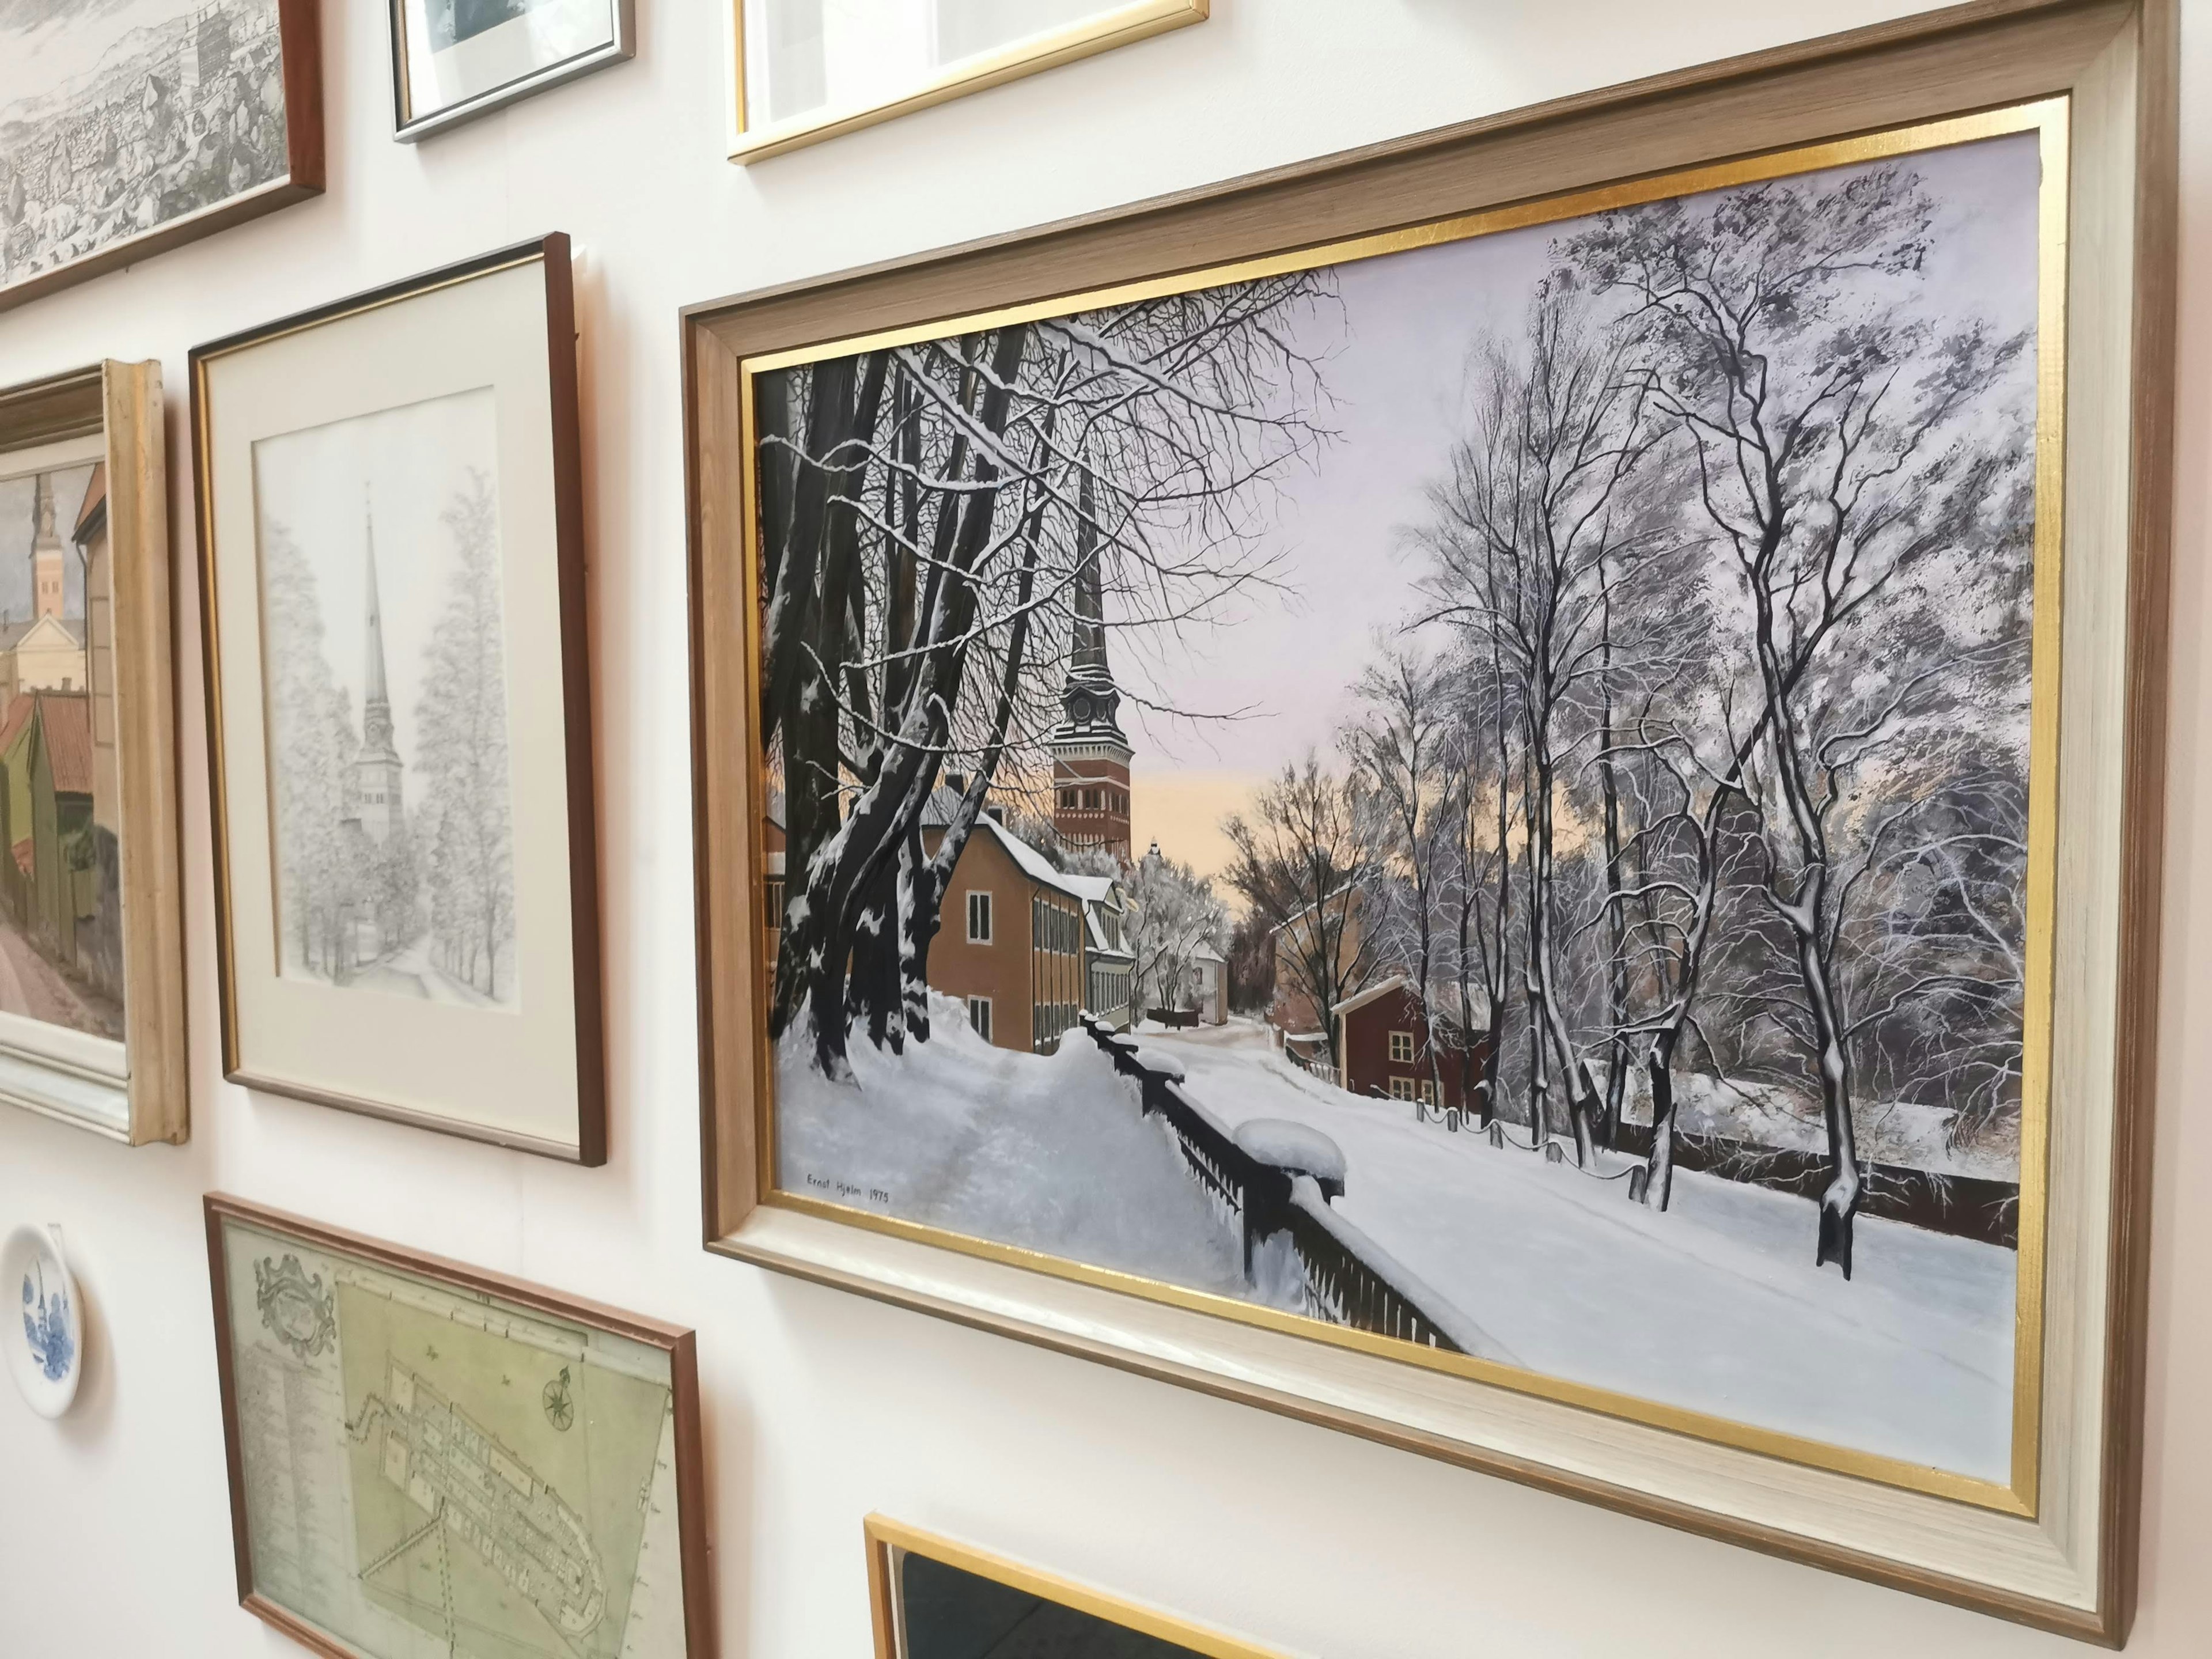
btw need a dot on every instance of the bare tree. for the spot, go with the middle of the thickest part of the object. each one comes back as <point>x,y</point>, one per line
<point>1845,444</point>
<point>1178,916</point>
<point>1302,859</point>
<point>930,512</point>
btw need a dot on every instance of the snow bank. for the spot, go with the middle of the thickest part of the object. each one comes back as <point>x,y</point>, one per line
<point>1283,1145</point>
<point>1714,1305</point>
<point>1045,1153</point>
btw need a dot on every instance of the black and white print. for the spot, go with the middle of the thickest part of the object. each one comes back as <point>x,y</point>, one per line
<point>120,115</point>
<point>1519,744</point>
<point>384,670</point>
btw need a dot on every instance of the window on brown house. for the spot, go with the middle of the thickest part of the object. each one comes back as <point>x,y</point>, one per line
<point>1401,1048</point>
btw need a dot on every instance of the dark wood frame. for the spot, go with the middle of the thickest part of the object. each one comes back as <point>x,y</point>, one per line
<point>122,402</point>
<point>1967,56</point>
<point>679,1344</point>
<point>562,338</point>
<point>300,44</point>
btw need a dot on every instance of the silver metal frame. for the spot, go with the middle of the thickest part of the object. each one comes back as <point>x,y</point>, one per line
<point>621,48</point>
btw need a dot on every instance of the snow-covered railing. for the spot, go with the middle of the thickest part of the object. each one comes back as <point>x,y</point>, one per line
<point>1349,1278</point>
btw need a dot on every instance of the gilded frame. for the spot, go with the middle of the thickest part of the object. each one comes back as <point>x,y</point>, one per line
<point>578,808</point>
<point>120,405</point>
<point>1120,23</point>
<point>679,1344</point>
<point>889,1541</point>
<point>300,55</point>
<point>2113,65</point>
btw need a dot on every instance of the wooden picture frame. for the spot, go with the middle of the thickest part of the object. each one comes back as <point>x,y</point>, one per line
<point>489,343</point>
<point>294,1316</point>
<point>497,84</point>
<point>221,55</point>
<point>128,1083</point>
<point>2057,1550</point>
<point>1110,23</point>
<point>1066,1606</point>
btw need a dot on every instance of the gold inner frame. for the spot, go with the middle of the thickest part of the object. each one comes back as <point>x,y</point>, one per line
<point>2047,118</point>
<point>1111,26</point>
<point>888,1542</point>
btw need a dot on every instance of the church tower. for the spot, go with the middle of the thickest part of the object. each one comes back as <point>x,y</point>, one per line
<point>376,789</point>
<point>1090,753</point>
<point>45,553</point>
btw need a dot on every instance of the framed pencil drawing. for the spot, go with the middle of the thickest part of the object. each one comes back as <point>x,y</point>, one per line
<point>804,72</point>
<point>398,705</point>
<point>92,988</point>
<point>1501,792</point>
<point>127,130</point>
<point>454,60</point>
<point>422,1452</point>
<point>931,1597</point>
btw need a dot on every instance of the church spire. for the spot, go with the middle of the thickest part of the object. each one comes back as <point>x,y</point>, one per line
<point>373,693</point>
<point>1090,753</point>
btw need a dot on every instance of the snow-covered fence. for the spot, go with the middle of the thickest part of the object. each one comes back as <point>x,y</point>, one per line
<point>1349,1279</point>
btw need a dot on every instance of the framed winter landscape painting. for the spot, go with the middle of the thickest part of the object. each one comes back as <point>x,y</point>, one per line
<point>398,717</point>
<point>130,126</point>
<point>1503,793</point>
<point>92,977</point>
<point>426,1456</point>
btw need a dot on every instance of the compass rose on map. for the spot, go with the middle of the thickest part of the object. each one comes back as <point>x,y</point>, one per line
<point>560,1403</point>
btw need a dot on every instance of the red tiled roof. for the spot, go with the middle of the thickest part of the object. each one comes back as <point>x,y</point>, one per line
<point>67,718</point>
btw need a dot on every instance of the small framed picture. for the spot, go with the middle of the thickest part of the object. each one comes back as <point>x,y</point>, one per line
<point>454,60</point>
<point>932,1598</point>
<point>806,71</point>
<point>399,710</point>
<point>424,1456</point>
<point>92,991</point>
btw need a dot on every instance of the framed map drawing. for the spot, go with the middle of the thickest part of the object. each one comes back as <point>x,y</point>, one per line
<point>398,705</point>
<point>454,60</point>
<point>933,1598</point>
<point>1430,792</point>
<point>92,978</point>
<point>126,129</point>
<point>423,1455</point>
<point>810,70</point>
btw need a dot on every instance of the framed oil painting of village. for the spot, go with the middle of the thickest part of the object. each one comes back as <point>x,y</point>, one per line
<point>399,712</point>
<point>933,1597</point>
<point>130,126</point>
<point>425,1455</point>
<point>1501,792</point>
<point>91,991</point>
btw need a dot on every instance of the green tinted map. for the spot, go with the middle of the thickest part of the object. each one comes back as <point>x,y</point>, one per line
<point>431,1471</point>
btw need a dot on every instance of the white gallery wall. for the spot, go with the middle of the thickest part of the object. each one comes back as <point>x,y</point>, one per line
<point>114,1523</point>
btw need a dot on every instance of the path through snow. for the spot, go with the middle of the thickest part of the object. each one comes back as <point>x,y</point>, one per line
<point>1049,1154</point>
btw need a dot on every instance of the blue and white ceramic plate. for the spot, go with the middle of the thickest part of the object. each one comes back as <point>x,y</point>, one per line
<point>43,1331</point>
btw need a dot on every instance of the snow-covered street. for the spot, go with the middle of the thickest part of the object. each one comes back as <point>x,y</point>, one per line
<point>1048,1153</point>
<point>1715,1305</point>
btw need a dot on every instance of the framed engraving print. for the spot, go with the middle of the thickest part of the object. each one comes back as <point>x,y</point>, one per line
<point>132,128</point>
<point>92,977</point>
<point>808,70</point>
<point>398,714</point>
<point>452,60</point>
<point>423,1455</point>
<point>1494,792</point>
<point>933,1598</point>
